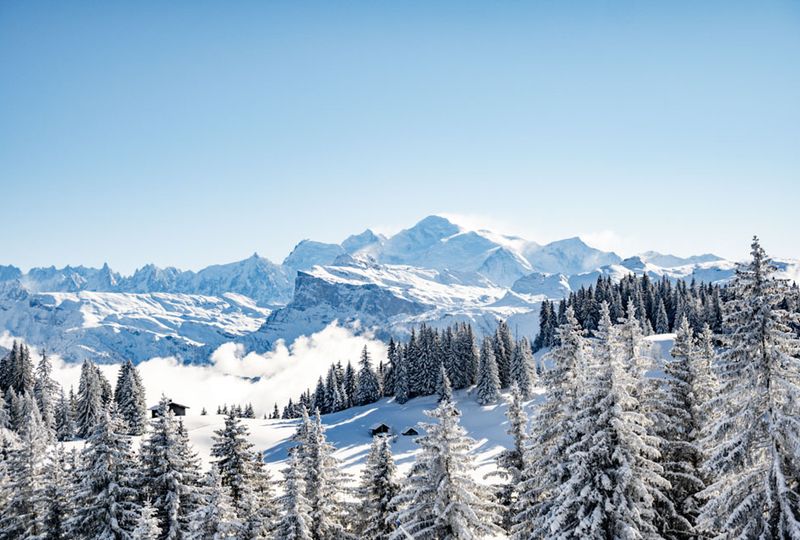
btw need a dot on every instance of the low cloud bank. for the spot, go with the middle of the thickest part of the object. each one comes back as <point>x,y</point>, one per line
<point>236,376</point>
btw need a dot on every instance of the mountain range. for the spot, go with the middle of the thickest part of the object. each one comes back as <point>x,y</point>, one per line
<point>436,272</point>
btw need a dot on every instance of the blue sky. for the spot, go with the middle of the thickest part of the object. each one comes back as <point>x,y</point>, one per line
<point>188,133</point>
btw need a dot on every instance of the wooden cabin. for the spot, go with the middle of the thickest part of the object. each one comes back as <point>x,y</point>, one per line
<point>410,432</point>
<point>176,408</point>
<point>380,429</point>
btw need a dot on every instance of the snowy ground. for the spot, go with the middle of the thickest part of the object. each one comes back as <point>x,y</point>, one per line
<point>349,430</point>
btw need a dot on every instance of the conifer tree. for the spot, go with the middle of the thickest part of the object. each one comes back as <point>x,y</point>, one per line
<point>368,388</point>
<point>324,484</point>
<point>610,473</point>
<point>546,456</point>
<point>233,454</point>
<point>295,520</point>
<point>402,392</point>
<point>106,499</point>
<point>443,388</point>
<point>5,419</point>
<point>503,349</point>
<point>56,495</point>
<point>147,525</point>
<point>65,424</point>
<point>169,474</point>
<point>24,512</point>
<point>45,390</point>
<point>379,487</point>
<point>662,321</point>
<point>754,433</point>
<point>522,372</point>
<point>440,499</point>
<point>487,390</point>
<point>214,519</point>
<point>678,423</point>
<point>129,396</point>
<point>511,462</point>
<point>89,404</point>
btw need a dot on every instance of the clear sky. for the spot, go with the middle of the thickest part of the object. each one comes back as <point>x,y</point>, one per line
<point>189,133</point>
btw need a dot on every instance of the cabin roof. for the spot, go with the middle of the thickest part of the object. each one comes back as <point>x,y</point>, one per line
<point>171,404</point>
<point>379,424</point>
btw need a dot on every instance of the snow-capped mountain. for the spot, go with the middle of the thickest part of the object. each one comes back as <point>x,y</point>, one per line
<point>435,271</point>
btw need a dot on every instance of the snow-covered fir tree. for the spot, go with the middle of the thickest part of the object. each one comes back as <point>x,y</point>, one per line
<point>611,474</point>
<point>147,526</point>
<point>24,511</point>
<point>56,495</point>
<point>503,350</point>
<point>522,372</point>
<point>233,458</point>
<point>65,423</point>
<point>402,392</point>
<point>5,419</point>
<point>295,519</point>
<point>379,486</point>
<point>129,396</point>
<point>214,519</point>
<point>678,421</point>
<point>443,387</point>
<point>546,456</point>
<point>325,484</point>
<point>368,389</point>
<point>511,462</point>
<point>106,497</point>
<point>169,474</point>
<point>487,390</point>
<point>45,390</point>
<point>89,403</point>
<point>753,449</point>
<point>440,500</point>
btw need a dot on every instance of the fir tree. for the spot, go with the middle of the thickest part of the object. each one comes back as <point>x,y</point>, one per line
<point>169,474</point>
<point>610,473</point>
<point>65,424</point>
<point>522,372</point>
<point>45,390</point>
<point>130,399</point>
<point>233,455</point>
<point>511,462</point>
<point>440,499</point>
<point>662,321</point>
<point>368,388</point>
<point>402,392</point>
<point>214,519</point>
<point>754,434</point>
<point>443,388</point>
<point>89,404</point>
<point>23,512</point>
<point>56,496</point>
<point>147,525</point>
<point>487,390</point>
<point>324,484</point>
<point>547,454</point>
<point>105,504</point>
<point>377,491</point>
<point>503,349</point>
<point>679,423</point>
<point>295,520</point>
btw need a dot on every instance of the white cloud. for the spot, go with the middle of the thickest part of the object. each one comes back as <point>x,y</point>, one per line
<point>235,376</point>
<point>608,240</point>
